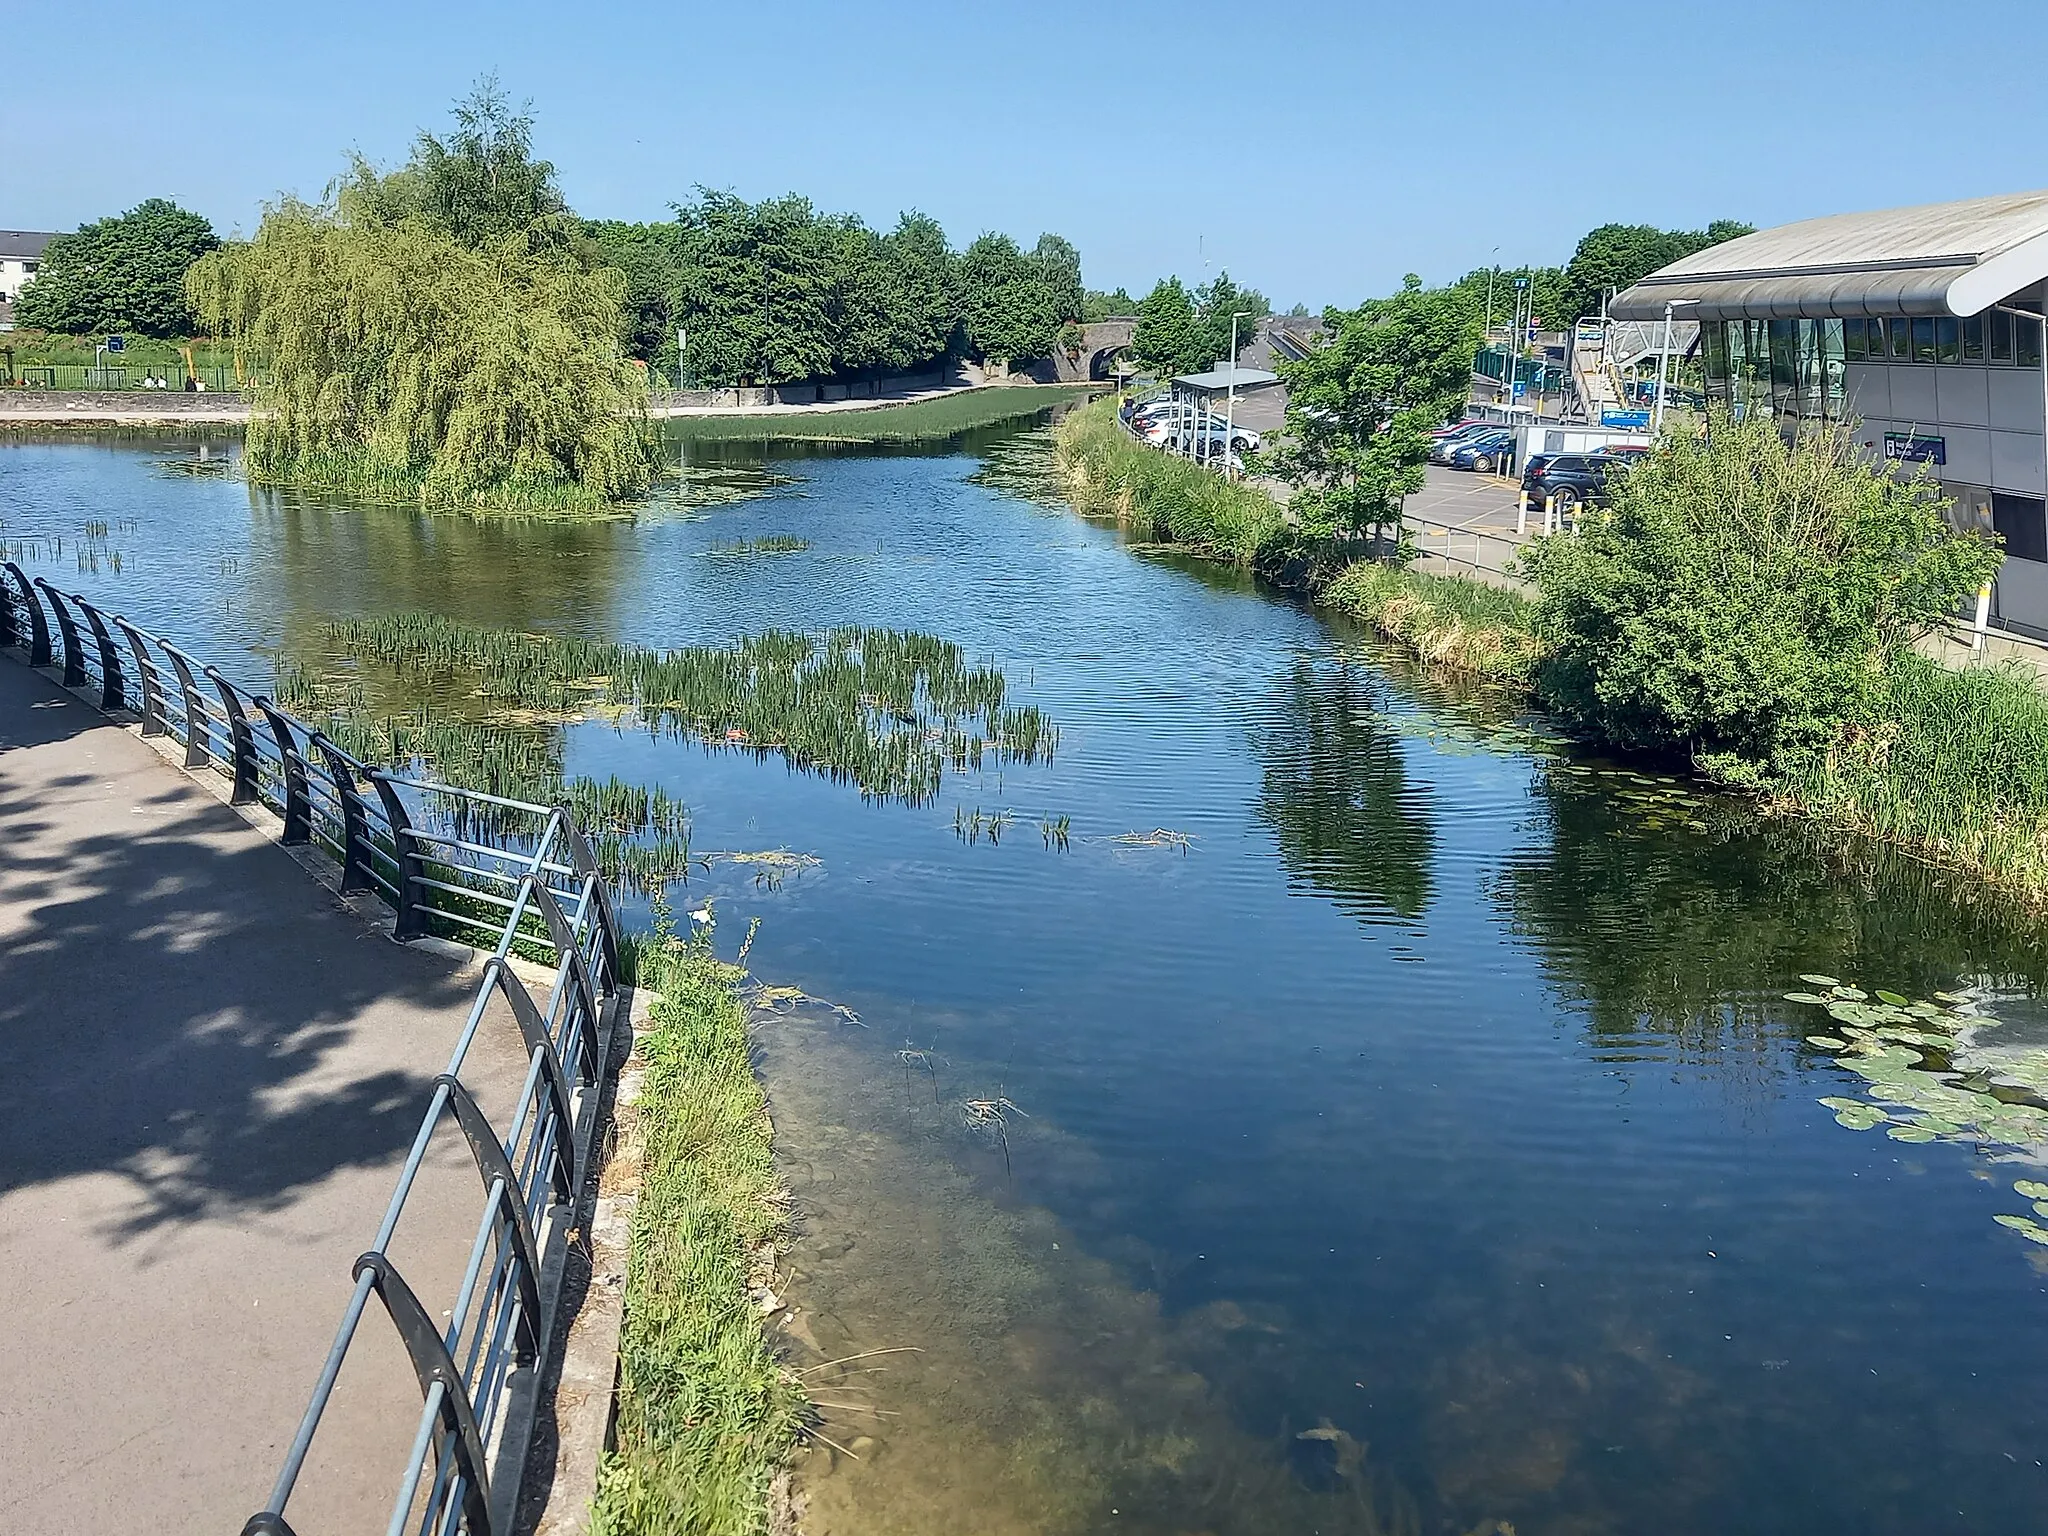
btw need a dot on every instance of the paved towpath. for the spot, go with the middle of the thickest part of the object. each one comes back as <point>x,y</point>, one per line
<point>211,1070</point>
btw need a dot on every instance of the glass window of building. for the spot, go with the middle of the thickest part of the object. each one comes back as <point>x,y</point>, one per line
<point>1923,339</point>
<point>2026,340</point>
<point>1948,339</point>
<point>2001,336</point>
<point>1973,339</point>
<point>1855,340</point>
<point>1900,334</point>
<point>1831,356</point>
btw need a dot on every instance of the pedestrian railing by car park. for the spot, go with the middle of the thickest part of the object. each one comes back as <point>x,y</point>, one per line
<point>500,875</point>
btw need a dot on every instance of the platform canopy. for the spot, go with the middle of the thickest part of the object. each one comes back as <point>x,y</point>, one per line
<point>1935,259</point>
<point>1226,376</point>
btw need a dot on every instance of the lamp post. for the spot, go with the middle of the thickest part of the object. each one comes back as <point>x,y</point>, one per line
<point>1230,399</point>
<point>1664,362</point>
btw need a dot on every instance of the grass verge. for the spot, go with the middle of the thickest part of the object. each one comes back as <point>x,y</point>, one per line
<point>912,421</point>
<point>1446,620</point>
<point>707,1416</point>
<point>1161,497</point>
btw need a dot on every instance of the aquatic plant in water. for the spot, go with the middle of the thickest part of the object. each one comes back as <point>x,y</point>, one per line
<point>1930,1077</point>
<point>887,710</point>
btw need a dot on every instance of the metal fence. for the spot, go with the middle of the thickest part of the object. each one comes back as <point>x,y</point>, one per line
<point>86,376</point>
<point>501,875</point>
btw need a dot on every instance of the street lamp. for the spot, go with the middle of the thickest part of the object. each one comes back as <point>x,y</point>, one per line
<point>1663,362</point>
<point>1230,399</point>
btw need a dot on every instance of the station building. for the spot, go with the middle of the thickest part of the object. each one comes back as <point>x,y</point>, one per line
<point>1922,325</point>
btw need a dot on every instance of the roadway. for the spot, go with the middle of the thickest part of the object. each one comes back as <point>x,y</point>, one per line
<point>213,1068</point>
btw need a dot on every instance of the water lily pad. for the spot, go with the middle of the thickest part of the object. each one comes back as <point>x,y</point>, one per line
<point>2041,1208</point>
<point>1827,1043</point>
<point>1912,1133</point>
<point>2026,1226</point>
<point>1853,994</point>
<point>1819,981</point>
<point>1893,998</point>
<point>1864,1117</point>
<point>2031,1189</point>
<point>1806,997</point>
<point>1842,1103</point>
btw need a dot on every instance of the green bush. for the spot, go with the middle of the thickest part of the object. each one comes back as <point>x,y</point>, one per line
<point>1743,600</point>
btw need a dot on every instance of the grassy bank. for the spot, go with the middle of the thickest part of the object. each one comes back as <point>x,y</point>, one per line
<point>1160,497</point>
<point>1955,769</point>
<point>909,422</point>
<point>1446,620</point>
<point>706,1415</point>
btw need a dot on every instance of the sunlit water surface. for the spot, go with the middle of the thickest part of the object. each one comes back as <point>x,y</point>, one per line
<point>1424,1144</point>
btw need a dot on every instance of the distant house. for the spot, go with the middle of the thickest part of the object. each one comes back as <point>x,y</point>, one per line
<point>21,252</point>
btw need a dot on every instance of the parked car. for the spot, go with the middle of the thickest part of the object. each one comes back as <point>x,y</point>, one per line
<point>1484,454</point>
<point>1574,479</point>
<point>1447,447</point>
<point>1216,435</point>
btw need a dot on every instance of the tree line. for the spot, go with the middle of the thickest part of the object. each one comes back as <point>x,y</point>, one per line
<point>774,291</point>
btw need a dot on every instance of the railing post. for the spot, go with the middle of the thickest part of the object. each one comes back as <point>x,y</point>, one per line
<point>533,1029</point>
<point>196,733</point>
<point>563,935</point>
<point>39,628</point>
<point>113,693</point>
<point>355,826</point>
<point>411,867</point>
<point>241,740</point>
<point>74,658</point>
<point>432,1364</point>
<point>495,1168</point>
<point>298,805</point>
<point>584,862</point>
<point>146,673</point>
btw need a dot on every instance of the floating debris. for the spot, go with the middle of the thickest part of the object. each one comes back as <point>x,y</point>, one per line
<point>783,1001</point>
<point>1158,837</point>
<point>771,544</point>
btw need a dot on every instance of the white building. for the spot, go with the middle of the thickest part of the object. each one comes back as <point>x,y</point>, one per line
<point>1923,324</point>
<point>20,252</point>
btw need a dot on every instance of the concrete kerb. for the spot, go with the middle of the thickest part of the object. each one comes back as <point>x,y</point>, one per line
<point>585,1352</point>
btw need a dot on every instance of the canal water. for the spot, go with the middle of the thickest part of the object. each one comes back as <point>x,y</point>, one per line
<point>1388,1121</point>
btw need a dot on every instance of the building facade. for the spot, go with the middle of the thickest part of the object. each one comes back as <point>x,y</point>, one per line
<point>1921,326</point>
<point>21,251</point>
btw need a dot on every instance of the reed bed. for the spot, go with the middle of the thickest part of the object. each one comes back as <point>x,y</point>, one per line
<point>1955,768</point>
<point>886,710</point>
<point>1160,497</point>
<point>1451,622</point>
<point>770,544</point>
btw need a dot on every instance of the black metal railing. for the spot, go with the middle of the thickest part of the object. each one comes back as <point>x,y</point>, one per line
<point>505,876</point>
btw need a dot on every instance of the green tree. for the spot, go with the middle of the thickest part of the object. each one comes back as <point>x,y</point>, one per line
<point>119,274</point>
<point>1102,306</point>
<point>478,186</point>
<point>927,287</point>
<point>645,257</point>
<point>1215,303</point>
<point>400,363</point>
<point>1056,268</point>
<point>1360,407</point>
<point>1617,255</point>
<point>1744,597</point>
<point>1169,338</point>
<point>1007,313</point>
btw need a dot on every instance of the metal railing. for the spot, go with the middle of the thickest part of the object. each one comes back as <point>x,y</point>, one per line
<point>502,875</point>
<point>1485,552</point>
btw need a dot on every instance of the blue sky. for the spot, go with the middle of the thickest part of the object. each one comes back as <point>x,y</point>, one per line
<point>1318,150</point>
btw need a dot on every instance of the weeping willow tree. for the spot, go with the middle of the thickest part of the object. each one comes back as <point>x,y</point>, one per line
<point>411,356</point>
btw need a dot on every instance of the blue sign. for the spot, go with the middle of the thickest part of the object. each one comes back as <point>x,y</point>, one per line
<point>1521,389</point>
<point>1913,448</point>
<point>1635,419</point>
<point>117,343</point>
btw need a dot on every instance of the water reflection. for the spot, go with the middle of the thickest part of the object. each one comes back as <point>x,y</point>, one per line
<point>1335,789</point>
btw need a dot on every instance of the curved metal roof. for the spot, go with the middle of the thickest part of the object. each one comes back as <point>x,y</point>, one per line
<point>1935,259</point>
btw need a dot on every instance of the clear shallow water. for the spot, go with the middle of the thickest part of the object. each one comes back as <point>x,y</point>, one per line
<point>1438,1104</point>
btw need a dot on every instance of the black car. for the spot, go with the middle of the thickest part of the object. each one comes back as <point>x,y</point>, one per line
<point>1571,479</point>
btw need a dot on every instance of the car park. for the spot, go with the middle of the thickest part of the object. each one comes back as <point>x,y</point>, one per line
<point>1447,448</point>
